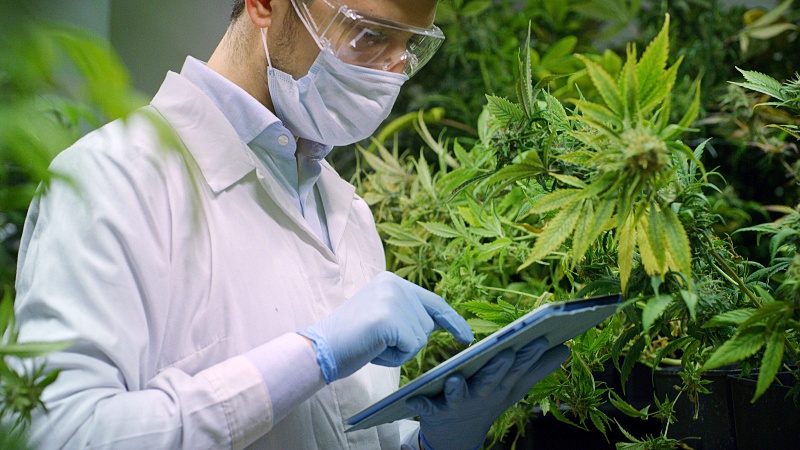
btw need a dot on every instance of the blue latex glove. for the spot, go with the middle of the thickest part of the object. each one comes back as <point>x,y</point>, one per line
<point>460,418</point>
<point>386,322</point>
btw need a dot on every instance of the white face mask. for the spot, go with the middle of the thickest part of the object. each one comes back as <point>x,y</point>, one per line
<point>335,103</point>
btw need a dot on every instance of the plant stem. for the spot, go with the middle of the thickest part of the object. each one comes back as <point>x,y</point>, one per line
<point>730,272</point>
<point>669,422</point>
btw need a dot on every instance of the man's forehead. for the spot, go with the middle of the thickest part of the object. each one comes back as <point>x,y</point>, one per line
<point>419,13</point>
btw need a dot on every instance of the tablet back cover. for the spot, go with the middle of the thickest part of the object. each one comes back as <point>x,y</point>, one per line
<point>558,322</point>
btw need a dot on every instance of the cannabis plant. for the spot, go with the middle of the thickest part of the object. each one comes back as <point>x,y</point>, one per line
<point>773,324</point>
<point>615,168</point>
<point>557,200</point>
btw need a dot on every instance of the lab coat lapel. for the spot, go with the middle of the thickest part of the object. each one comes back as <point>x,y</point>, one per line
<point>273,189</point>
<point>337,199</point>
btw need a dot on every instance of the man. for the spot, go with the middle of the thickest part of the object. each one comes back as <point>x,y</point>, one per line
<point>221,285</point>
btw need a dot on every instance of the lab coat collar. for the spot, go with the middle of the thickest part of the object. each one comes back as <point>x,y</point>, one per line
<point>224,159</point>
<point>213,142</point>
<point>248,116</point>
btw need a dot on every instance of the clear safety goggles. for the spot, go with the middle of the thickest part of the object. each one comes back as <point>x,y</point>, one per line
<point>367,41</point>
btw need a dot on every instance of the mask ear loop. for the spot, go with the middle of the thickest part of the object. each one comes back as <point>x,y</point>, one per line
<point>266,49</point>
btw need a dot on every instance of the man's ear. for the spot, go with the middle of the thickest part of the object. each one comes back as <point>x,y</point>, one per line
<point>260,12</point>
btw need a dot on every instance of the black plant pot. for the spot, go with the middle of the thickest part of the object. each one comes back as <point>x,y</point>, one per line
<point>772,422</point>
<point>714,427</point>
<point>639,387</point>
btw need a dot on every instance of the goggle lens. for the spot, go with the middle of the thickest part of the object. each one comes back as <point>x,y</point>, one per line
<point>366,41</point>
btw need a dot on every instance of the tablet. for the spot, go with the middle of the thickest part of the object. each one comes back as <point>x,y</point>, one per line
<point>557,322</point>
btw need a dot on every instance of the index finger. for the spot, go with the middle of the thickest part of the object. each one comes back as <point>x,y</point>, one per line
<point>442,314</point>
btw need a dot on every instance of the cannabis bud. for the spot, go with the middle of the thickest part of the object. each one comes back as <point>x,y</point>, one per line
<point>644,153</point>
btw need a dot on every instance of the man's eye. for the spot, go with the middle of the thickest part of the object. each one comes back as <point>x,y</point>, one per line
<point>368,38</point>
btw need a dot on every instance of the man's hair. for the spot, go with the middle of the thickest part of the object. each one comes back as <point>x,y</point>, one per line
<point>238,9</point>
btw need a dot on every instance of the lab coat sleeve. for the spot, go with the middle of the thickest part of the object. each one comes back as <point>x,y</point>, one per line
<point>94,262</point>
<point>287,388</point>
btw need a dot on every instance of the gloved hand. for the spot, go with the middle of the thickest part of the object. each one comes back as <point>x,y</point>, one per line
<point>460,418</point>
<point>386,322</point>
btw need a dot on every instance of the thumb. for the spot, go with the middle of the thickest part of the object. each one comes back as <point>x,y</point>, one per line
<point>421,405</point>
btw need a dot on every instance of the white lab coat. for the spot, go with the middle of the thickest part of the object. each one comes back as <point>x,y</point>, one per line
<point>164,267</point>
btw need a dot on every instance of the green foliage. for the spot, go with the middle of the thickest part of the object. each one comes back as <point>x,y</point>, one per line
<point>770,331</point>
<point>21,390</point>
<point>775,325</point>
<point>787,95</point>
<point>557,199</point>
<point>649,443</point>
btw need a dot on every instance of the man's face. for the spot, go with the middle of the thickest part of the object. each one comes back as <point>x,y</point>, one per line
<point>296,48</point>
